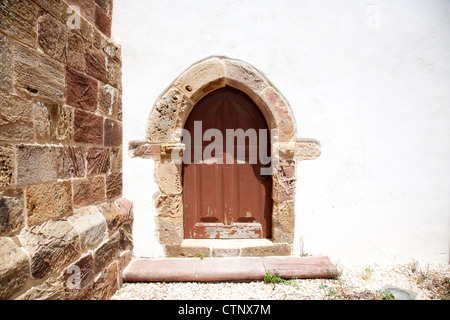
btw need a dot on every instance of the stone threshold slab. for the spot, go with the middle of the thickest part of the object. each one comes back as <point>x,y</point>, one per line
<point>228,269</point>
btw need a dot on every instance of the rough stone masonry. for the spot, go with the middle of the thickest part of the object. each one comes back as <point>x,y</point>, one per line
<point>65,230</point>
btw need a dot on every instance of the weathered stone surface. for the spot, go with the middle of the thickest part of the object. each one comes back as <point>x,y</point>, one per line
<point>16,118</point>
<point>116,160</point>
<point>113,215</point>
<point>52,37</point>
<point>169,114</point>
<point>7,166</point>
<point>107,284</point>
<point>284,182</point>
<point>241,75</point>
<point>91,226</point>
<point>38,75</point>
<point>96,63</point>
<point>126,208</point>
<point>88,128</point>
<point>78,276</point>
<point>307,150</point>
<point>109,101</point>
<point>169,229</point>
<point>37,164</point>
<point>12,218</point>
<point>53,123</point>
<point>88,191</point>
<point>81,90</point>
<point>113,133</point>
<point>72,164</point>
<point>178,251</point>
<point>281,113</point>
<point>169,206</point>
<point>6,62</point>
<point>75,51</point>
<point>98,160</point>
<point>114,73</point>
<point>201,78</point>
<point>144,149</point>
<point>122,263</point>
<point>106,253</point>
<point>114,185</point>
<point>50,245</point>
<point>50,289</point>
<point>18,19</point>
<point>126,237</point>
<point>14,268</point>
<point>278,249</point>
<point>283,222</point>
<point>76,22</point>
<point>106,5</point>
<point>112,49</point>
<point>168,176</point>
<point>48,201</point>
<point>54,7</point>
<point>103,21</point>
<point>87,8</point>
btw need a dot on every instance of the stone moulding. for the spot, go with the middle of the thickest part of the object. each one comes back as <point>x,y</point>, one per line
<point>163,137</point>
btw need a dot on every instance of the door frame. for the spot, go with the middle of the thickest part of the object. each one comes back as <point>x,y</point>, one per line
<point>163,141</point>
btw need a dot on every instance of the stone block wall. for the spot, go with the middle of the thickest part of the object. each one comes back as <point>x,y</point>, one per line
<point>65,230</point>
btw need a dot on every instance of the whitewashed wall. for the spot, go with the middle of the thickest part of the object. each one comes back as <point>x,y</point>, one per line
<point>369,79</point>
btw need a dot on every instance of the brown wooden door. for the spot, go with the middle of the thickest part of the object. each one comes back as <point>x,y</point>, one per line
<point>226,200</point>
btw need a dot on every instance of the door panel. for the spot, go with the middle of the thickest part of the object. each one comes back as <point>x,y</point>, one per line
<point>228,200</point>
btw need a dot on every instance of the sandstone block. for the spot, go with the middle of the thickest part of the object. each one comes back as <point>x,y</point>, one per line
<point>109,101</point>
<point>16,118</point>
<point>81,90</point>
<point>53,123</point>
<point>14,268</point>
<point>307,150</point>
<point>114,185</point>
<point>48,201</point>
<point>6,62</point>
<point>18,19</point>
<point>96,63</point>
<point>201,78</point>
<point>168,116</point>
<point>113,133</point>
<point>98,160</point>
<point>124,261</point>
<point>126,237</point>
<point>12,217</point>
<point>116,160</point>
<point>112,49</point>
<point>169,206</point>
<point>88,128</point>
<point>106,253</point>
<point>52,37</point>
<point>283,222</point>
<point>168,176</point>
<point>144,149</point>
<point>178,251</point>
<point>278,249</point>
<point>126,208</point>
<point>38,75</point>
<point>114,73</point>
<point>54,7</point>
<point>103,21</point>
<point>87,8</point>
<point>78,276</point>
<point>91,226</point>
<point>37,164</point>
<point>113,215</point>
<point>7,166</point>
<point>72,163</point>
<point>106,284</point>
<point>169,230</point>
<point>241,74</point>
<point>106,5</point>
<point>50,245</point>
<point>75,51</point>
<point>88,191</point>
<point>50,289</point>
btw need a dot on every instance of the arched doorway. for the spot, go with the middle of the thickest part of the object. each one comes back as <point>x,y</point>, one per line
<point>226,194</point>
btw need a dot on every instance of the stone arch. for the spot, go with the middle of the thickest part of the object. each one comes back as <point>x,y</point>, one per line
<point>163,138</point>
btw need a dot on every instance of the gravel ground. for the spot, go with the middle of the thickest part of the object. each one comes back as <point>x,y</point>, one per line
<point>423,281</point>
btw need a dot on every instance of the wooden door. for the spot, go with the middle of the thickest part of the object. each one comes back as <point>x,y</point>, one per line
<point>223,200</point>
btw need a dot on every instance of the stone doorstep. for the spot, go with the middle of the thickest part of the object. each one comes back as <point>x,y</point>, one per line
<point>228,269</point>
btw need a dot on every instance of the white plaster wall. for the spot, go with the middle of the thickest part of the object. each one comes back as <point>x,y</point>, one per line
<point>369,79</point>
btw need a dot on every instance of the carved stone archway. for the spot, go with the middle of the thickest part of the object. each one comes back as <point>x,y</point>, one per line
<point>163,138</point>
